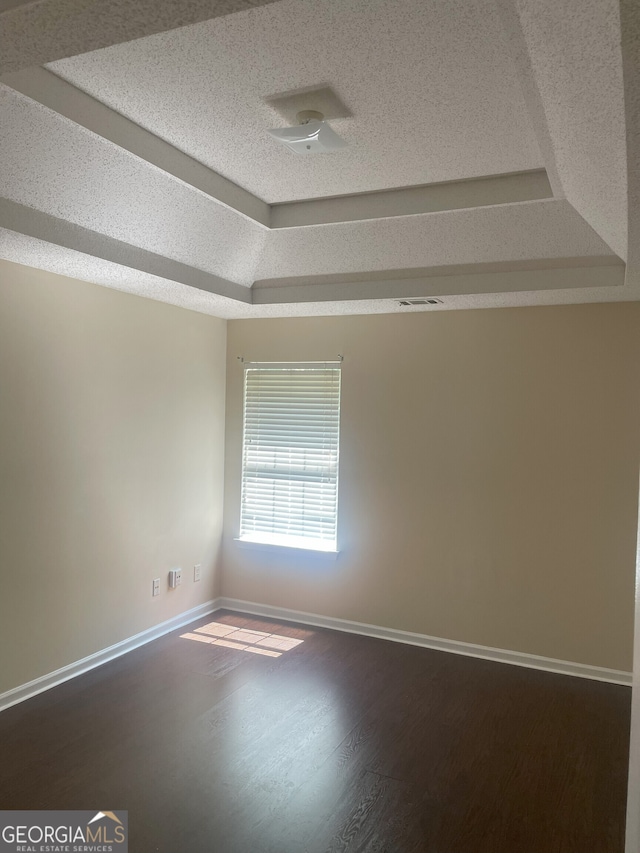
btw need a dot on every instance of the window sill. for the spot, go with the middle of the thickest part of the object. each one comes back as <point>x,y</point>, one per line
<point>296,550</point>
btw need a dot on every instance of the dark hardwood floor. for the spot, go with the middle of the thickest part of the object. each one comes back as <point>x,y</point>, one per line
<point>343,743</point>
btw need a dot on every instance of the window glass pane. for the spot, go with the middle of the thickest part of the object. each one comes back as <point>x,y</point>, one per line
<point>290,455</point>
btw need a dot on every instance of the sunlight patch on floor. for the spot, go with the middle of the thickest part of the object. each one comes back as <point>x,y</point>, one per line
<point>242,639</point>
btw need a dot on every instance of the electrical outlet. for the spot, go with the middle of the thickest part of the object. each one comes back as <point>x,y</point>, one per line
<point>175,578</point>
<point>156,586</point>
<point>197,572</point>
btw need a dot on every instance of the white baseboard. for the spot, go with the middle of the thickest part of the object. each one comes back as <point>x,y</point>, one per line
<point>51,679</point>
<point>581,670</point>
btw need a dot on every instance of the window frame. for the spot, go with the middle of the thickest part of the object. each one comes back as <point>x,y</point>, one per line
<point>253,542</point>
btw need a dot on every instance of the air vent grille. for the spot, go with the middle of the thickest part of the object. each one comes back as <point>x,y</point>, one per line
<point>430,301</point>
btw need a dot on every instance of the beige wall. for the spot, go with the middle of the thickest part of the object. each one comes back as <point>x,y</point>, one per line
<point>111,465</point>
<point>488,480</point>
<point>488,485</point>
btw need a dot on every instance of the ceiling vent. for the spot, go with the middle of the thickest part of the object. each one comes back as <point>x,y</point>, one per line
<point>430,301</point>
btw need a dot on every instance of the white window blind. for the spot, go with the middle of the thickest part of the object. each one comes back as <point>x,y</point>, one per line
<point>290,457</point>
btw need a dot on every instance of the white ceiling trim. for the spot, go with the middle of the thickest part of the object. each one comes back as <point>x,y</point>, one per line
<point>566,262</point>
<point>547,228</point>
<point>507,281</point>
<point>573,85</point>
<point>476,280</point>
<point>20,251</point>
<point>461,302</point>
<point>35,255</point>
<point>33,33</point>
<point>56,94</point>
<point>411,201</point>
<point>532,98</point>
<point>55,166</point>
<point>65,99</point>
<point>42,226</point>
<point>45,25</point>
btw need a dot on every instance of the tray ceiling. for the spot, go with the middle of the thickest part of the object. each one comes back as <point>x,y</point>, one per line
<point>431,86</point>
<point>487,161</point>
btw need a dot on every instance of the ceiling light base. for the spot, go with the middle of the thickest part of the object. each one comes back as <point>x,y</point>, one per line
<point>305,116</point>
<point>312,137</point>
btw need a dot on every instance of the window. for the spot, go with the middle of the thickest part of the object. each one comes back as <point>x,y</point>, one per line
<point>290,455</point>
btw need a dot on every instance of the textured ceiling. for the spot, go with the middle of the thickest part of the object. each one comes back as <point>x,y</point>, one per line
<point>438,93</point>
<point>61,169</point>
<point>630,14</point>
<point>574,47</point>
<point>37,31</point>
<point>510,232</point>
<point>45,256</point>
<point>430,84</point>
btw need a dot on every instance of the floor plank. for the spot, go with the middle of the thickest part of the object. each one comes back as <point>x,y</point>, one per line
<point>342,743</point>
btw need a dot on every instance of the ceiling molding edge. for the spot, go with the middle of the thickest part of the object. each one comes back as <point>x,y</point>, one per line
<point>409,201</point>
<point>563,276</point>
<point>564,262</point>
<point>42,226</point>
<point>65,99</point>
<point>559,274</point>
<point>512,27</point>
<point>70,102</point>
